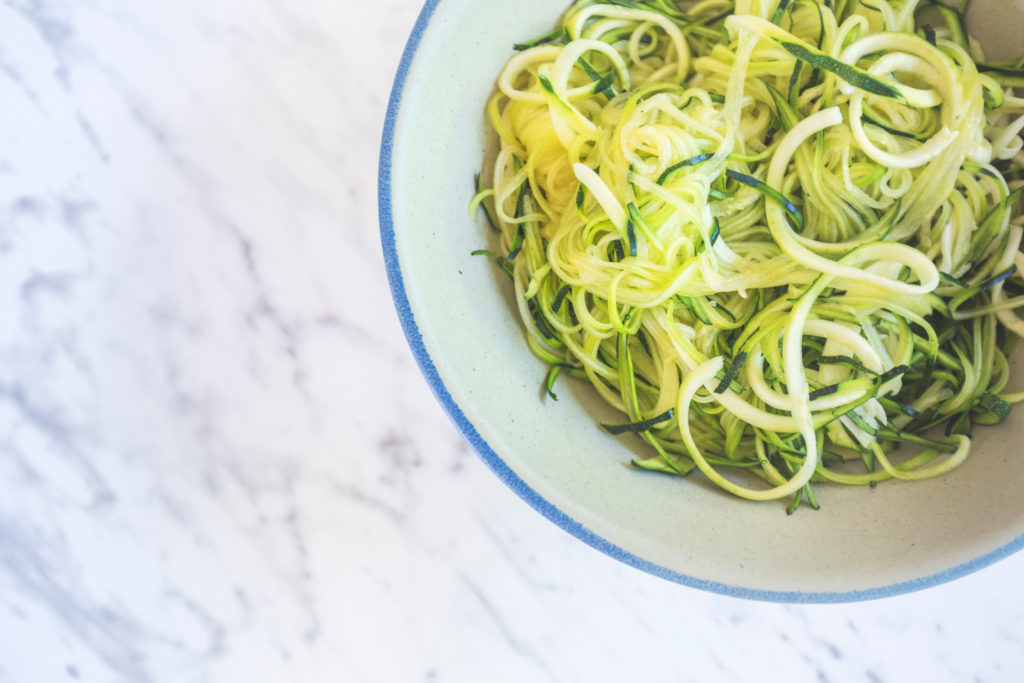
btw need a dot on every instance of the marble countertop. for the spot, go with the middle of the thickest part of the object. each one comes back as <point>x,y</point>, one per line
<point>218,460</point>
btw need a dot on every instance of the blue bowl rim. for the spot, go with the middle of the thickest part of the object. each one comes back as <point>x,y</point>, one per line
<point>501,468</point>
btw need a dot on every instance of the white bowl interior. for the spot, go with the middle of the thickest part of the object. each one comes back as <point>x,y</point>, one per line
<point>862,543</point>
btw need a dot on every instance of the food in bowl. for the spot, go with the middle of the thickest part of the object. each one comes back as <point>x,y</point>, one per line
<point>782,238</point>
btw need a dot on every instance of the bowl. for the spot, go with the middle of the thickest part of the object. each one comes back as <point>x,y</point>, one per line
<point>459,320</point>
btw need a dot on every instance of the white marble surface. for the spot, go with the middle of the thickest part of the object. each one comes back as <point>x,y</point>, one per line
<point>218,461</point>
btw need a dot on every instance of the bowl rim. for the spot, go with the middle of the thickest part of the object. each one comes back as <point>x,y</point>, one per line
<point>506,474</point>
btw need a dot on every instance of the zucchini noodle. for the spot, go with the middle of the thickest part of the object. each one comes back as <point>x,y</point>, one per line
<point>782,237</point>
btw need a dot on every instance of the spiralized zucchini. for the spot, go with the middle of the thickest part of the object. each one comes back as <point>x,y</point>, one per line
<point>781,237</point>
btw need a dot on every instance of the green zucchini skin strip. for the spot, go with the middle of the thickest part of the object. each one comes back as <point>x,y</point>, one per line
<point>692,161</point>
<point>563,292</point>
<point>637,427</point>
<point>824,391</point>
<point>771,193</point>
<point>734,369</point>
<point>549,383</point>
<point>851,74</point>
<point>780,11</point>
<point>553,36</point>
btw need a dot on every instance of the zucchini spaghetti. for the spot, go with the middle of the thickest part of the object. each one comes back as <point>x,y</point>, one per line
<point>780,236</point>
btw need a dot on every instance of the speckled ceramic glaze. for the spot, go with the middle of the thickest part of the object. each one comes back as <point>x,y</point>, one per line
<point>863,543</point>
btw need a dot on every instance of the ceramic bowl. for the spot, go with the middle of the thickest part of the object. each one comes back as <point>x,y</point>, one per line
<point>458,317</point>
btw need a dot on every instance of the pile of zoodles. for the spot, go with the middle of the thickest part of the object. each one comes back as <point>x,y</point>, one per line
<point>781,236</point>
